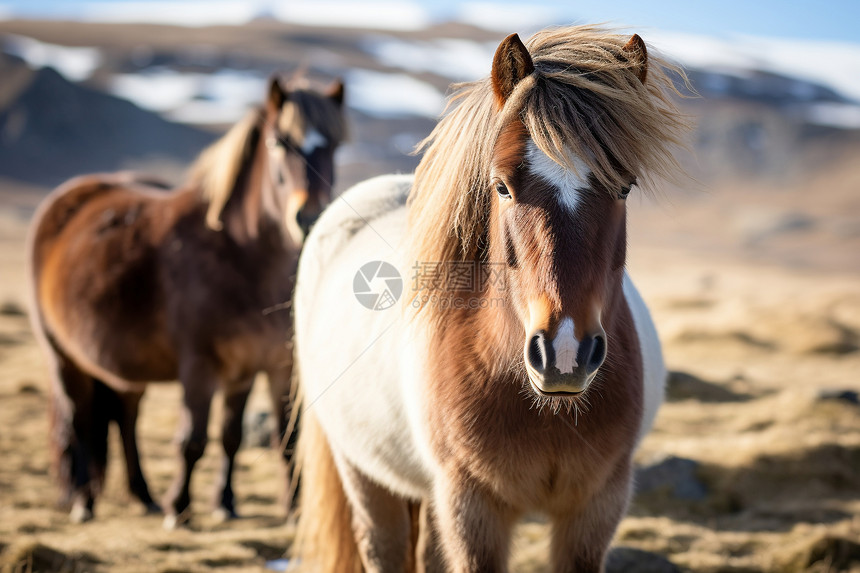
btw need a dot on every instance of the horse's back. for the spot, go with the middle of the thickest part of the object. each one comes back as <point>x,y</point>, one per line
<point>354,211</point>
<point>68,201</point>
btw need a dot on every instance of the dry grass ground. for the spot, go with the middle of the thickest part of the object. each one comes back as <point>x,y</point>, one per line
<point>761,316</point>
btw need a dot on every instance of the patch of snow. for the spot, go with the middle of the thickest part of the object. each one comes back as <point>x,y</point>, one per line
<point>843,116</point>
<point>202,112</point>
<point>832,64</point>
<point>225,96</point>
<point>158,91</point>
<point>222,97</point>
<point>392,95</point>
<point>74,63</point>
<point>452,58</point>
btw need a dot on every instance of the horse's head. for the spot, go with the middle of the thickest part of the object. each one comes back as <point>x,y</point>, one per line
<point>301,131</point>
<point>558,214</point>
<point>529,172</point>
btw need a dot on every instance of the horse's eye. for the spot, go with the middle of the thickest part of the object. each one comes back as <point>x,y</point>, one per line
<point>502,190</point>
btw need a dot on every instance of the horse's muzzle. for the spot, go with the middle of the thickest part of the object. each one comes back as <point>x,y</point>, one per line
<point>305,220</point>
<point>554,375</point>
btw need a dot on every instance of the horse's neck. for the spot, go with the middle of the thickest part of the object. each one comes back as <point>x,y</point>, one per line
<point>243,215</point>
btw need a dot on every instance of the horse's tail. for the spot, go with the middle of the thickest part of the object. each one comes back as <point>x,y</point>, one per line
<point>324,538</point>
<point>39,238</point>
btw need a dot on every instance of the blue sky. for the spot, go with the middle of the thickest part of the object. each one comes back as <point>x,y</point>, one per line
<point>835,20</point>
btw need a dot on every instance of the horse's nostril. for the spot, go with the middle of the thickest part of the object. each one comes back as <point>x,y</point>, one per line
<point>597,354</point>
<point>537,352</point>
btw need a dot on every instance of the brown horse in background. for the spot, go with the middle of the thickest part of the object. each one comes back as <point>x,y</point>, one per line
<point>135,284</point>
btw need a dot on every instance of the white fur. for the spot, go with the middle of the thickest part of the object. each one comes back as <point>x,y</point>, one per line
<point>313,140</point>
<point>653,368</point>
<point>566,346</point>
<point>363,370</point>
<point>567,181</point>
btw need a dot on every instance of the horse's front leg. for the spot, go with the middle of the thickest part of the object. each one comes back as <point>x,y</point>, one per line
<point>284,435</point>
<point>235,398</point>
<point>473,525</point>
<point>580,539</point>
<point>428,552</point>
<point>198,379</point>
<point>381,522</point>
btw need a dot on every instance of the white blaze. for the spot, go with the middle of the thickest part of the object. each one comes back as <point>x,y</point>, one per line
<point>313,140</point>
<point>566,346</point>
<point>567,181</point>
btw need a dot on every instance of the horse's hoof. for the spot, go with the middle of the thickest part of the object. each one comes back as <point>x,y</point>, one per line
<point>80,514</point>
<point>173,522</point>
<point>224,514</point>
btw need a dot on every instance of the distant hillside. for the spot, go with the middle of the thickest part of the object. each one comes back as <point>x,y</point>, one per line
<point>766,125</point>
<point>756,118</point>
<point>52,129</point>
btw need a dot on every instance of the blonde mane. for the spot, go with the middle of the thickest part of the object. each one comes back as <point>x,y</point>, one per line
<point>217,169</point>
<point>584,97</point>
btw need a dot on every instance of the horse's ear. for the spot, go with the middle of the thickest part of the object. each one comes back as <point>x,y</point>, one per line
<point>511,64</point>
<point>335,92</point>
<point>635,52</point>
<point>277,95</point>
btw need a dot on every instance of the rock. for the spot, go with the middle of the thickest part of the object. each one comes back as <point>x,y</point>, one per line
<point>12,308</point>
<point>685,386</point>
<point>39,558</point>
<point>28,387</point>
<point>630,560</point>
<point>677,476</point>
<point>834,553</point>
<point>839,395</point>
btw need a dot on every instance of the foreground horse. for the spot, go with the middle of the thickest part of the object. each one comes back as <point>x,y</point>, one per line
<point>133,284</point>
<point>531,368</point>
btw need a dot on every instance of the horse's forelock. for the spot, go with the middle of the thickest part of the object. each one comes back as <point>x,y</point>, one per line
<point>308,109</point>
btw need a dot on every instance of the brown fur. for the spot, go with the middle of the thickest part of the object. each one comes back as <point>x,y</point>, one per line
<point>133,284</point>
